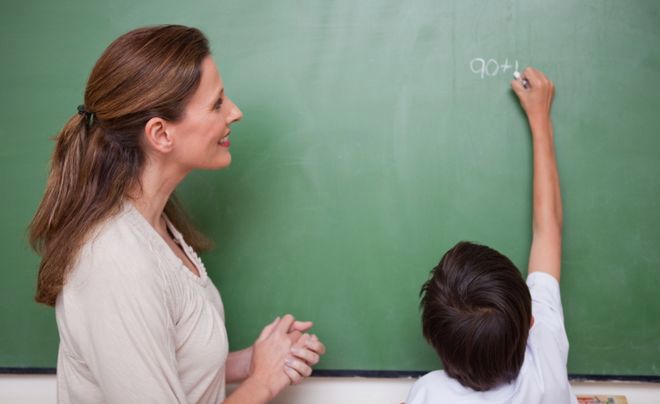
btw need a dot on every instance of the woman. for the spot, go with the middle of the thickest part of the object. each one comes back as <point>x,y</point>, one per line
<point>139,321</point>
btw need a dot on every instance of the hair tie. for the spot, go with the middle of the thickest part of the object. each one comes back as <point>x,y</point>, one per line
<point>88,115</point>
<point>83,111</point>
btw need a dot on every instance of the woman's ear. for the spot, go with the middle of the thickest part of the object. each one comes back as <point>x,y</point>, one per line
<point>156,135</point>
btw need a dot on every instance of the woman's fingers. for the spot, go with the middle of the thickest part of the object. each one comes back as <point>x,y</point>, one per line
<point>285,324</point>
<point>270,353</point>
<point>299,352</point>
<point>310,342</point>
<point>268,329</point>
<point>299,366</point>
<point>301,326</point>
<point>294,377</point>
<point>311,358</point>
<point>309,349</point>
<point>315,345</point>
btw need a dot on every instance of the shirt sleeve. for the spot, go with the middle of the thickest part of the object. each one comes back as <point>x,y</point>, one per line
<point>118,311</point>
<point>547,309</point>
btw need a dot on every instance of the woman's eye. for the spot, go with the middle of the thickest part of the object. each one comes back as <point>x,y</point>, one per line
<point>218,104</point>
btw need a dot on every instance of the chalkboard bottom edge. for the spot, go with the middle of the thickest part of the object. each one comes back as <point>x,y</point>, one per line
<point>389,374</point>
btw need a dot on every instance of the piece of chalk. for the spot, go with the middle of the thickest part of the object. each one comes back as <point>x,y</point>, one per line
<point>517,76</point>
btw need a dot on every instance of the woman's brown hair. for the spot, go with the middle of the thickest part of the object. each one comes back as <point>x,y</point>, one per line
<point>148,72</point>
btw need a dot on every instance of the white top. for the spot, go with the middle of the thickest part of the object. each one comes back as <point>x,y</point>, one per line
<point>136,325</point>
<point>542,378</point>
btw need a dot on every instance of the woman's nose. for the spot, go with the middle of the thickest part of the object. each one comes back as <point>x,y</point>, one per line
<point>235,113</point>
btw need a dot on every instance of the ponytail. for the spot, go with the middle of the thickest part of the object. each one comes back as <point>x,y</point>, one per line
<point>66,162</point>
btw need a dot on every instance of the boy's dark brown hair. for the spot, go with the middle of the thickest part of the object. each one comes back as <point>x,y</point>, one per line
<point>476,313</point>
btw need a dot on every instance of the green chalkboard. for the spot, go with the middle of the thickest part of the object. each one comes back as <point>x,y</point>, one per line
<point>377,133</point>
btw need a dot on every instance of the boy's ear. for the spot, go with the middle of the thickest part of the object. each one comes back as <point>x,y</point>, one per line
<point>157,136</point>
<point>531,324</point>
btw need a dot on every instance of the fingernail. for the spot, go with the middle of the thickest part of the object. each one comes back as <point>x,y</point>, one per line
<point>288,362</point>
<point>296,351</point>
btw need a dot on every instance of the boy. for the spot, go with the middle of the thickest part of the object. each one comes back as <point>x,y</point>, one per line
<point>502,341</point>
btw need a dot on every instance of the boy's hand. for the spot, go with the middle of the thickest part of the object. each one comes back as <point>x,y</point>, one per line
<point>536,99</point>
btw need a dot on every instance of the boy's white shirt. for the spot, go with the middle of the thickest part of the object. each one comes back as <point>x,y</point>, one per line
<point>543,377</point>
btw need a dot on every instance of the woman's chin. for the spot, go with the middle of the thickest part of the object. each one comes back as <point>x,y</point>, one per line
<point>223,162</point>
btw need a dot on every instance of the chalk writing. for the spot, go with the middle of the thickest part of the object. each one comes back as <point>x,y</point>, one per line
<point>491,67</point>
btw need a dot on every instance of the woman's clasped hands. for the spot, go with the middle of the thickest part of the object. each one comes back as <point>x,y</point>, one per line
<point>284,354</point>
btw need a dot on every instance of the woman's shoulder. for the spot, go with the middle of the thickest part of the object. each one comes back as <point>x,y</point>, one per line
<point>121,247</point>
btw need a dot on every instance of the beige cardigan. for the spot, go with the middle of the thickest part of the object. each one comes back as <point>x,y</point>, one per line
<point>135,325</point>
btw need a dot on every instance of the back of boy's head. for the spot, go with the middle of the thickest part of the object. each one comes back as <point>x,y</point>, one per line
<point>476,313</point>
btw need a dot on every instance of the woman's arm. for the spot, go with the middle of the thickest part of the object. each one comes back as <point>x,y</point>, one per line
<point>238,365</point>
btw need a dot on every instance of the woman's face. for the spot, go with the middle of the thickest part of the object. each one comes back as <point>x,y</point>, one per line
<point>202,135</point>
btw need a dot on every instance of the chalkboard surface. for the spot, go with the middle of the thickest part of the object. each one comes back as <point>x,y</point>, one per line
<point>376,135</point>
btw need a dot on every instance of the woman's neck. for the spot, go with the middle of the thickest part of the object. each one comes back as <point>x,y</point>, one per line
<point>157,183</point>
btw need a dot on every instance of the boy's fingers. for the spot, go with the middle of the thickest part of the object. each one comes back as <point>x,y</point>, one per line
<point>517,87</point>
<point>531,73</point>
<point>533,76</point>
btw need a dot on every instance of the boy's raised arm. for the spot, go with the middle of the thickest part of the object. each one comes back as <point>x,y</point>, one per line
<point>536,100</point>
